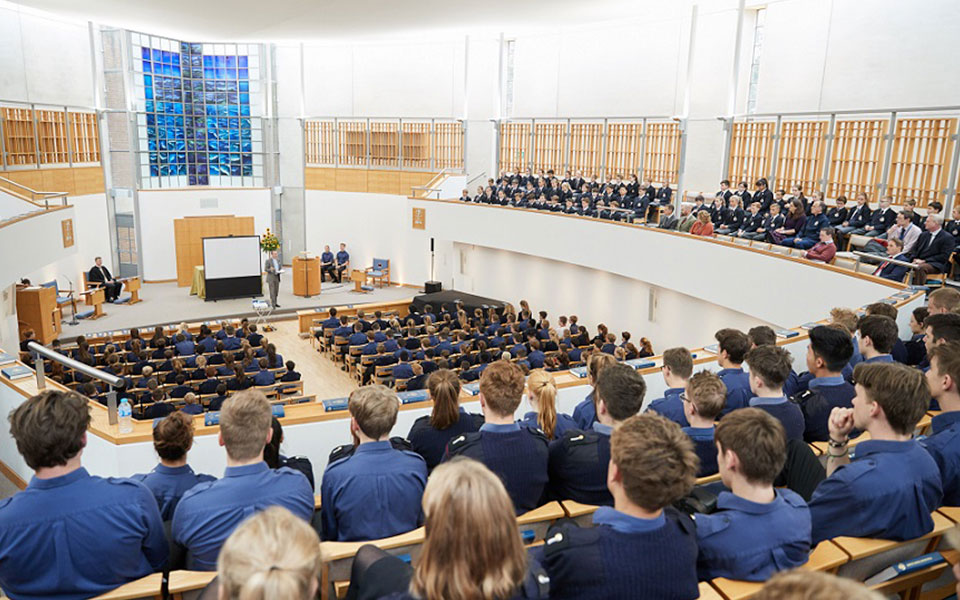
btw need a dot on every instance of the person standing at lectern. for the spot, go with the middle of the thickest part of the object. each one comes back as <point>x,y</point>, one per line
<point>101,277</point>
<point>272,267</point>
<point>343,262</point>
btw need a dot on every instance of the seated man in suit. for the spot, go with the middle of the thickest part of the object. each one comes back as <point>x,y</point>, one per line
<point>65,516</point>
<point>757,529</point>
<point>891,271</point>
<point>933,250</point>
<point>652,464</point>
<point>99,276</point>
<point>370,488</point>
<point>824,250</point>
<point>687,217</point>
<point>210,511</point>
<point>891,484</point>
<point>518,455</point>
<point>667,219</point>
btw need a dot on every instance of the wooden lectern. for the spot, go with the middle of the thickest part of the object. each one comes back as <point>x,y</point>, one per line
<point>306,276</point>
<point>359,278</point>
<point>37,310</point>
<point>132,285</point>
<point>95,298</point>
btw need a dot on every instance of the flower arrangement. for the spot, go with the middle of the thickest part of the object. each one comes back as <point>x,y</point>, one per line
<point>269,242</point>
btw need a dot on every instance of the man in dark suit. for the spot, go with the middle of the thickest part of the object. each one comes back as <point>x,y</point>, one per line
<point>668,220</point>
<point>101,277</point>
<point>933,249</point>
<point>889,270</point>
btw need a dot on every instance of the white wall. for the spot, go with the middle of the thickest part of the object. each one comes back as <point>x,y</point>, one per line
<point>159,208</point>
<point>45,59</point>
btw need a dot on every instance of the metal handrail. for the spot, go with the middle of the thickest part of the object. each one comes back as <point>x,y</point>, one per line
<point>116,383</point>
<point>879,259</point>
<point>45,197</point>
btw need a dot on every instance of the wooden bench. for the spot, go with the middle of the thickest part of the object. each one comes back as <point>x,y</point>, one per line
<point>180,583</point>
<point>826,556</point>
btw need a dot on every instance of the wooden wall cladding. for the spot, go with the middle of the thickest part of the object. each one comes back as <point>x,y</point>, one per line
<point>378,181</point>
<point>188,235</point>
<point>78,181</point>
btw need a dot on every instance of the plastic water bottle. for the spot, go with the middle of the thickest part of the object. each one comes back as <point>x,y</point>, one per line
<point>125,414</point>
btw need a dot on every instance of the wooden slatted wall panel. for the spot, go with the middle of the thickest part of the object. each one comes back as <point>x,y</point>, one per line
<point>919,167</point>
<point>856,160</point>
<point>416,145</point>
<point>385,143</point>
<point>549,150</point>
<point>800,160</point>
<point>353,142</point>
<point>448,145</point>
<point>586,146</point>
<point>661,157</point>
<point>86,137</point>
<point>751,151</point>
<point>624,145</point>
<point>514,147</point>
<point>18,136</point>
<point>320,143</point>
<point>52,137</point>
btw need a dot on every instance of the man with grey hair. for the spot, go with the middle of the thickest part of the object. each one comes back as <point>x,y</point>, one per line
<point>932,250</point>
<point>687,217</point>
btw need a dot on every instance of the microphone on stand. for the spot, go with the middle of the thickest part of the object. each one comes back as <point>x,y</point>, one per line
<point>73,316</point>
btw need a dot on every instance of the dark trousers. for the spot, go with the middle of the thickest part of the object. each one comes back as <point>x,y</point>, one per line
<point>920,275</point>
<point>111,290</point>
<point>375,574</point>
<point>327,269</point>
<point>340,270</point>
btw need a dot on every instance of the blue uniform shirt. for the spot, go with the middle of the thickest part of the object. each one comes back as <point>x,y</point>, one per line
<point>564,423</point>
<point>671,406</point>
<point>209,512</point>
<point>944,446</point>
<point>585,413</point>
<point>373,493</point>
<point>326,257</point>
<point>788,413</point>
<point>342,257</point>
<point>705,448</point>
<point>752,541</point>
<point>738,388</point>
<point>822,396</point>
<point>76,536</point>
<point>168,484</point>
<point>888,491</point>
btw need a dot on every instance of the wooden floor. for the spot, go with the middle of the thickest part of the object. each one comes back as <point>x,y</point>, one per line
<point>321,376</point>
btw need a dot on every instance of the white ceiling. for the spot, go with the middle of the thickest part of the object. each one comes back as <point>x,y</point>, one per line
<point>316,20</point>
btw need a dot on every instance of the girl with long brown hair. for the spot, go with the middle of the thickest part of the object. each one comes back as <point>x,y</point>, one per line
<point>430,434</point>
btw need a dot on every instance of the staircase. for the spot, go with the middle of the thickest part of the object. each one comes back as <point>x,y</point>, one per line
<point>17,200</point>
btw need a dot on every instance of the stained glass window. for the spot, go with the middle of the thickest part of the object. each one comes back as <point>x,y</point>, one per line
<point>198,112</point>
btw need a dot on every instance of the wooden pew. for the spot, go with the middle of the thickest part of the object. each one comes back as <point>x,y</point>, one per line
<point>826,557</point>
<point>181,582</point>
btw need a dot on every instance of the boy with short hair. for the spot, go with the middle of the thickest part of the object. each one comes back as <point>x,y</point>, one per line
<point>518,455</point>
<point>828,353</point>
<point>888,486</point>
<point>371,489</point>
<point>878,334</point>
<point>943,378</point>
<point>757,530</point>
<point>676,370</point>
<point>702,404</point>
<point>652,464</point>
<point>732,347</point>
<point>769,369</point>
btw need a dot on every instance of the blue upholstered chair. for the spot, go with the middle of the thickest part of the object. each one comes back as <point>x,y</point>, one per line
<point>379,271</point>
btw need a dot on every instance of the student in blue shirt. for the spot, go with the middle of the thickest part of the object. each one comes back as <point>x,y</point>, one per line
<point>769,369</point>
<point>184,346</point>
<point>331,322</point>
<point>70,534</point>
<point>264,376</point>
<point>190,405</point>
<point>326,265</point>
<point>209,512</point>
<point>518,455</point>
<point>888,485</point>
<point>542,396</point>
<point>579,459</point>
<point>641,547</point>
<point>878,333</point>
<point>676,370</point>
<point>585,413</point>
<point>703,402</point>
<point>828,353</point>
<point>343,262</point>
<point>430,434</point>
<point>172,439</point>
<point>733,346</point>
<point>371,490</point>
<point>757,530</point>
<point>943,444</point>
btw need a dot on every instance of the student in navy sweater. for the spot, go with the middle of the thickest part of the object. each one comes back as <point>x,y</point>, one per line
<point>677,369</point>
<point>172,439</point>
<point>702,403</point>
<point>518,455</point>
<point>756,530</point>
<point>733,345</point>
<point>641,547</point>
<point>829,352</point>
<point>430,434</point>
<point>585,413</point>
<point>888,486</point>
<point>769,369</point>
<point>943,378</point>
<point>579,459</point>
